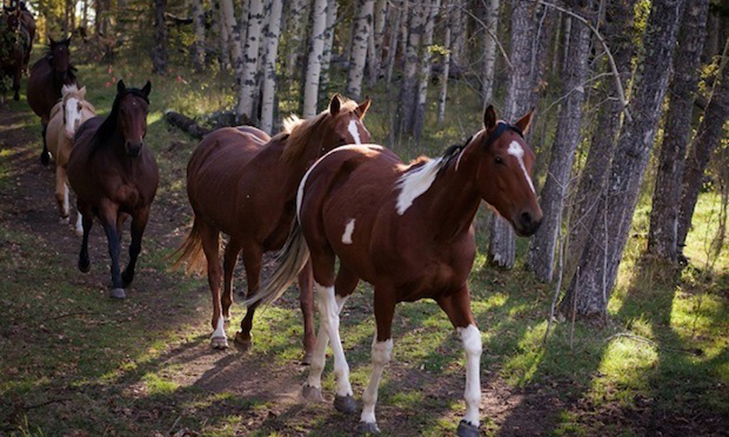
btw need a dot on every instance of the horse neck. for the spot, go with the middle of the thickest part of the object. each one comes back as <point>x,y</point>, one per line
<point>453,199</point>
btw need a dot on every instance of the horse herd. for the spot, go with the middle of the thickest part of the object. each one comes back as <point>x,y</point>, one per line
<point>317,191</point>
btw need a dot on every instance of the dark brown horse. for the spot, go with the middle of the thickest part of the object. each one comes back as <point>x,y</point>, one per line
<point>242,183</point>
<point>28,21</point>
<point>15,43</point>
<point>47,76</point>
<point>406,229</point>
<point>115,176</point>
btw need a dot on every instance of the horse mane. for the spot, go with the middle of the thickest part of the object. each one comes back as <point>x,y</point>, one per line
<point>300,131</point>
<point>108,126</point>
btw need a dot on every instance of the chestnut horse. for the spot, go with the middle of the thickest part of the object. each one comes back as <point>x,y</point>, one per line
<point>406,229</point>
<point>243,183</point>
<point>66,117</point>
<point>47,76</point>
<point>15,44</point>
<point>115,176</point>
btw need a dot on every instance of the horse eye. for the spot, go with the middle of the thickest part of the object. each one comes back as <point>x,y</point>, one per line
<point>498,160</point>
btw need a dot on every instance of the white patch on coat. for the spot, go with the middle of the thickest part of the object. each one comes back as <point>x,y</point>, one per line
<point>302,184</point>
<point>381,353</point>
<point>220,330</point>
<point>347,236</point>
<point>416,182</point>
<point>329,307</point>
<point>354,131</point>
<point>471,338</point>
<point>73,116</point>
<point>516,150</point>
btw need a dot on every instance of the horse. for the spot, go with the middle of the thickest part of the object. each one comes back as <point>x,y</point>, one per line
<point>15,43</point>
<point>47,76</point>
<point>115,176</point>
<point>406,229</point>
<point>243,183</point>
<point>28,21</point>
<point>66,117</point>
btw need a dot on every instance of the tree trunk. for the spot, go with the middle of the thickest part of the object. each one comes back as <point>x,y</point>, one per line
<point>446,63</point>
<point>313,69</point>
<point>619,34</point>
<point>234,39</point>
<point>459,20</point>
<point>85,15</point>
<point>408,89</point>
<point>425,68</point>
<point>599,264</point>
<point>198,17</point>
<point>662,236</point>
<point>708,136</point>
<point>248,90</point>
<point>298,17</point>
<point>381,12</point>
<point>540,258</point>
<point>491,17</point>
<point>520,98</point>
<point>269,67</point>
<point>225,35</point>
<point>326,57</point>
<point>159,56</point>
<point>360,41</point>
<point>397,29</point>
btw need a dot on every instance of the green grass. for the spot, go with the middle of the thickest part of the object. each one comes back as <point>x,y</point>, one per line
<point>72,360</point>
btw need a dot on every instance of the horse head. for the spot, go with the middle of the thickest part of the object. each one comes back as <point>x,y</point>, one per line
<point>344,123</point>
<point>504,171</point>
<point>61,57</point>
<point>132,116</point>
<point>73,99</point>
<point>12,17</point>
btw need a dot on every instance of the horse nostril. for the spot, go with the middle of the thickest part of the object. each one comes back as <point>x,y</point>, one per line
<point>526,218</point>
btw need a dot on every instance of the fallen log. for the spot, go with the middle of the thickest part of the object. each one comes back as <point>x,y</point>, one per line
<point>186,124</point>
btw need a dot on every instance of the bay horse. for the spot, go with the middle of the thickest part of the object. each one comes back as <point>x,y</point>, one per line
<point>115,176</point>
<point>47,76</point>
<point>15,43</point>
<point>66,117</point>
<point>243,183</point>
<point>28,21</point>
<point>406,229</point>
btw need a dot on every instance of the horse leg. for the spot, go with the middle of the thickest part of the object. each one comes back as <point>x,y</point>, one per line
<point>84,264</point>
<point>381,354</point>
<point>252,262</point>
<point>108,212</point>
<point>306,300</point>
<point>139,223</point>
<point>229,261</point>
<point>62,194</point>
<point>210,242</point>
<point>458,308</point>
<point>45,156</point>
<point>16,83</point>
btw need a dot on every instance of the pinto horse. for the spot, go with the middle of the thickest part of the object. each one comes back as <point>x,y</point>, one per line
<point>15,43</point>
<point>406,229</point>
<point>66,117</point>
<point>115,176</point>
<point>47,76</point>
<point>243,183</point>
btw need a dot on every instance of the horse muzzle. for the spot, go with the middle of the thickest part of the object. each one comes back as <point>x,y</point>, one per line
<point>134,148</point>
<point>527,223</point>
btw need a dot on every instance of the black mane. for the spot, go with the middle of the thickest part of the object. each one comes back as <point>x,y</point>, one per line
<point>451,153</point>
<point>108,126</point>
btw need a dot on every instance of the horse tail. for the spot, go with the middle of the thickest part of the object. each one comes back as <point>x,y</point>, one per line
<point>289,262</point>
<point>191,252</point>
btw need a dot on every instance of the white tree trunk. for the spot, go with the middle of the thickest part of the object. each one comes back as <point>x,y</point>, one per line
<point>313,69</point>
<point>234,40</point>
<point>395,32</point>
<point>381,12</point>
<point>248,90</point>
<point>360,41</point>
<point>225,35</point>
<point>489,48</point>
<point>408,87</point>
<point>444,76</point>
<point>425,67</point>
<point>198,21</point>
<point>458,23</point>
<point>269,67</point>
<point>326,57</point>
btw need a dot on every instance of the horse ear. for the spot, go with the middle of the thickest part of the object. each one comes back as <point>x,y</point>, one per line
<point>334,105</point>
<point>525,121</point>
<point>363,107</point>
<point>147,88</point>
<point>489,118</point>
<point>82,92</point>
<point>52,42</point>
<point>120,87</point>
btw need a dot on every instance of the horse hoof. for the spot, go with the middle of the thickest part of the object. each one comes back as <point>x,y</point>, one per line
<point>127,278</point>
<point>64,220</point>
<point>118,293</point>
<point>345,404</point>
<point>465,429</point>
<point>366,428</point>
<point>242,343</point>
<point>219,343</point>
<point>45,158</point>
<point>307,359</point>
<point>79,232</point>
<point>16,97</point>
<point>312,394</point>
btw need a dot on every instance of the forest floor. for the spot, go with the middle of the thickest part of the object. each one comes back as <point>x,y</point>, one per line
<point>73,362</point>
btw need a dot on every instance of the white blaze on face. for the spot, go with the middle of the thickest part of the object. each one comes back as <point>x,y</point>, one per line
<point>415,183</point>
<point>352,128</point>
<point>73,116</point>
<point>347,236</point>
<point>516,150</point>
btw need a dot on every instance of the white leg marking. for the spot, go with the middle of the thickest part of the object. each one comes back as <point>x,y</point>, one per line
<point>347,236</point>
<point>329,308</point>
<point>319,355</point>
<point>381,353</point>
<point>220,330</point>
<point>515,149</point>
<point>66,208</point>
<point>352,128</point>
<point>415,183</point>
<point>79,224</point>
<point>471,338</point>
